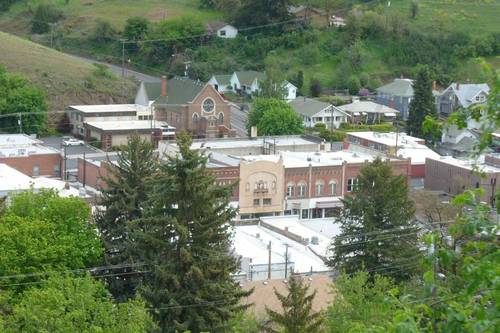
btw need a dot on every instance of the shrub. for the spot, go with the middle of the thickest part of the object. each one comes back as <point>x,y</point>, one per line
<point>353,84</point>
<point>103,31</point>
<point>43,17</point>
<point>332,135</point>
<point>385,127</point>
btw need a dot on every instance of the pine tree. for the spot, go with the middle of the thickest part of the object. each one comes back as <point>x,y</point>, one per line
<point>185,241</point>
<point>378,232</point>
<point>297,316</point>
<point>422,104</point>
<point>123,200</point>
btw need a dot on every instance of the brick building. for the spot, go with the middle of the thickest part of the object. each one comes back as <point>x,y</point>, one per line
<point>29,156</point>
<point>454,176</point>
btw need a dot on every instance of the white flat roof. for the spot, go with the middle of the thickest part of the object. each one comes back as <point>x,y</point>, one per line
<point>257,142</point>
<point>304,159</point>
<point>388,138</point>
<point>123,125</point>
<point>13,140</point>
<point>106,108</point>
<point>469,164</point>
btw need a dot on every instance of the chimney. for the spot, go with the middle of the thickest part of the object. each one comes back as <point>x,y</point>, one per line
<point>434,85</point>
<point>164,86</point>
<point>253,132</point>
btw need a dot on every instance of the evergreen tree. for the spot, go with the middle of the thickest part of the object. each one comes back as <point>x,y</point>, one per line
<point>123,199</point>
<point>377,223</point>
<point>185,241</point>
<point>315,88</point>
<point>297,316</point>
<point>422,104</point>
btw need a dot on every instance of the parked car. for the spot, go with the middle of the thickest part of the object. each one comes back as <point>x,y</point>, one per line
<point>68,141</point>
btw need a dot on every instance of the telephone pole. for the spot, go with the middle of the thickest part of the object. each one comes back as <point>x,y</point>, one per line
<point>123,40</point>
<point>286,261</point>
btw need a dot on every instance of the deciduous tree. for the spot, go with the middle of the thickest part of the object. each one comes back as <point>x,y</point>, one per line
<point>274,117</point>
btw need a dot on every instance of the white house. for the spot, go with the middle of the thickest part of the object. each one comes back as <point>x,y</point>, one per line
<point>222,30</point>
<point>247,82</point>
<point>313,112</point>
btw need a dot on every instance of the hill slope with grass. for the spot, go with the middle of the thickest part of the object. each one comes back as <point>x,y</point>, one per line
<point>64,79</point>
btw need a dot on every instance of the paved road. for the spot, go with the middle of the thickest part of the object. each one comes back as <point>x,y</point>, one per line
<point>118,70</point>
<point>238,120</point>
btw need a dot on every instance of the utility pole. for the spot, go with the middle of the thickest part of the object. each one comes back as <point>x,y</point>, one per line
<point>52,25</point>
<point>331,127</point>
<point>397,139</point>
<point>84,165</point>
<point>123,40</point>
<point>269,265</point>
<point>286,260</point>
<point>20,123</point>
<point>65,175</point>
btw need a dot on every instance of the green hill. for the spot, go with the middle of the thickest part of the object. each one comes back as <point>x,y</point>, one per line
<point>64,79</point>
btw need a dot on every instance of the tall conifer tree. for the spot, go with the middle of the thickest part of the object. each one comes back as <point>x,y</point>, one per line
<point>185,240</point>
<point>378,229</point>
<point>123,200</point>
<point>422,104</point>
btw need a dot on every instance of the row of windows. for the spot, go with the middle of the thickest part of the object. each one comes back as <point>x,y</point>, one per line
<point>260,185</point>
<point>300,189</point>
<point>265,202</point>
<point>150,117</point>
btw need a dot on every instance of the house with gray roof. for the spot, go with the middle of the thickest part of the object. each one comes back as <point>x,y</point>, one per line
<point>189,105</point>
<point>397,95</point>
<point>459,95</point>
<point>248,83</point>
<point>368,112</point>
<point>315,112</point>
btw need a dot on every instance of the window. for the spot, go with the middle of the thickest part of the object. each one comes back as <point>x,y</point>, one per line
<point>266,201</point>
<point>256,202</point>
<point>352,184</point>
<point>220,118</point>
<point>222,32</point>
<point>57,170</point>
<point>305,213</point>
<point>290,190</point>
<point>319,188</point>
<point>36,170</point>
<point>195,118</point>
<point>333,187</point>
<point>208,105</point>
<point>302,190</point>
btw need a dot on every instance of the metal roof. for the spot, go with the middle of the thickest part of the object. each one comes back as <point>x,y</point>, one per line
<point>398,87</point>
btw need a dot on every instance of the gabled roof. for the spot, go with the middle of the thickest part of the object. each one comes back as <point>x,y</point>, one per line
<point>368,107</point>
<point>180,91</point>
<point>467,92</point>
<point>247,77</point>
<point>309,107</point>
<point>398,87</point>
<point>216,25</point>
<point>223,79</point>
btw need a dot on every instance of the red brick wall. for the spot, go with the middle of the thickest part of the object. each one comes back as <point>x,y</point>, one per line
<point>310,176</point>
<point>418,171</point>
<point>227,175</point>
<point>25,164</point>
<point>93,174</point>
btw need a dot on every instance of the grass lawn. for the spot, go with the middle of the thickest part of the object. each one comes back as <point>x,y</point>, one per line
<point>474,16</point>
<point>64,79</point>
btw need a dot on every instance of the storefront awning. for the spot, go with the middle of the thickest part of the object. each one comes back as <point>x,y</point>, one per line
<point>329,204</point>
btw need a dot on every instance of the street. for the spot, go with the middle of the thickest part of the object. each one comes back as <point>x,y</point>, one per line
<point>72,152</point>
<point>238,120</point>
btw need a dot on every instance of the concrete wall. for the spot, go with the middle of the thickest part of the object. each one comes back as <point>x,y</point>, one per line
<point>48,164</point>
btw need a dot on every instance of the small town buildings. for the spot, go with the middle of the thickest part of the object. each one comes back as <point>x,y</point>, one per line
<point>454,176</point>
<point>248,83</point>
<point>368,112</point>
<point>114,134</point>
<point>394,144</point>
<point>29,156</point>
<point>315,112</point>
<point>397,95</point>
<point>80,114</point>
<point>92,172</point>
<point>188,105</point>
<point>222,30</point>
<point>459,95</point>
<point>13,181</point>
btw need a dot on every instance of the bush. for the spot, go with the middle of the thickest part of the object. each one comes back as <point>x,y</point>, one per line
<point>43,17</point>
<point>353,84</point>
<point>364,78</point>
<point>332,135</point>
<point>386,127</point>
<point>103,31</point>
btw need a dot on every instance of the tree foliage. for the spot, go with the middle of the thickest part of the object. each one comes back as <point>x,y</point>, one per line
<point>377,229</point>
<point>185,240</point>
<point>253,13</point>
<point>20,100</point>
<point>297,315</point>
<point>274,117</point>
<point>124,199</point>
<point>422,104</point>
<point>45,14</point>
<point>41,232</point>
<point>64,304</point>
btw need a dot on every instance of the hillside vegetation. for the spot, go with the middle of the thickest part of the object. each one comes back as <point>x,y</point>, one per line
<point>64,79</point>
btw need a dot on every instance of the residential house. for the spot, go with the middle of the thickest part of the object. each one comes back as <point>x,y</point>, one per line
<point>337,21</point>
<point>29,156</point>
<point>454,176</point>
<point>315,112</point>
<point>221,83</point>
<point>397,95</point>
<point>311,15</point>
<point>188,105</point>
<point>222,29</point>
<point>368,112</point>
<point>459,95</point>
<point>248,82</point>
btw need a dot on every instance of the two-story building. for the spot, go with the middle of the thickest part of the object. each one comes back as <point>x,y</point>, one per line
<point>459,95</point>
<point>397,95</point>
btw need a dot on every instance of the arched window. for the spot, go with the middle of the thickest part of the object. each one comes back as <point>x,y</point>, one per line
<point>290,189</point>
<point>196,118</point>
<point>220,118</point>
<point>319,187</point>
<point>333,187</point>
<point>302,189</point>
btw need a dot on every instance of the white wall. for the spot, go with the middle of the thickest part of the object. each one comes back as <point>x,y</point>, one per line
<point>231,32</point>
<point>325,116</point>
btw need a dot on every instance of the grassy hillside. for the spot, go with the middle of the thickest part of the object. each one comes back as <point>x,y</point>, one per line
<point>81,15</point>
<point>65,79</point>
